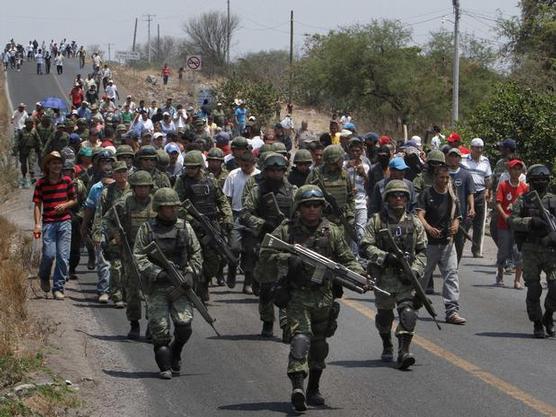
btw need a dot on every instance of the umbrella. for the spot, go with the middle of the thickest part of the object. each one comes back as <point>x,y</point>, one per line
<point>54,103</point>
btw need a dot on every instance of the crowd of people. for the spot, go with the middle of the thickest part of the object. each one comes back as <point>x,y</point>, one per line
<point>15,54</point>
<point>144,174</point>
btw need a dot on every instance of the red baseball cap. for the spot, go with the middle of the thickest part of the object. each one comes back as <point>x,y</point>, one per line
<point>454,137</point>
<point>384,140</point>
<point>515,162</point>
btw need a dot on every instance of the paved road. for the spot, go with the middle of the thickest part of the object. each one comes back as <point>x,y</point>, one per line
<point>490,367</point>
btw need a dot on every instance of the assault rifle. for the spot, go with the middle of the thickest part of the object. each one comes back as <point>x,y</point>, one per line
<point>215,236</point>
<point>403,258</point>
<point>338,212</point>
<point>128,252</point>
<point>181,286</point>
<point>339,273</point>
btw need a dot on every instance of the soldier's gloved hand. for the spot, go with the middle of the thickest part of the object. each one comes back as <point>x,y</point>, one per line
<point>295,263</point>
<point>538,224</point>
<point>391,260</point>
<point>189,277</point>
<point>162,276</point>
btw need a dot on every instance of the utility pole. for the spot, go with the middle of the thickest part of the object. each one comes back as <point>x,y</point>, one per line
<point>455,68</point>
<point>149,19</point>
<point>291,59</point>
<point>109,45</point>
<point>158,41</point>
<point>228,36</point>
<point>134,36</point>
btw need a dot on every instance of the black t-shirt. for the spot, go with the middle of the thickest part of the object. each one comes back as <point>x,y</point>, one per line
<point>438,210</point>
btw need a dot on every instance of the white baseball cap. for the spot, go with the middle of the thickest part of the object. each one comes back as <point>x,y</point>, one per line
<point>478,142</point>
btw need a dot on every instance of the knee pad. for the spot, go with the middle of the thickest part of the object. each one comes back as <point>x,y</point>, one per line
<point>383,320</point>
<point>408,318</point>
<point>299,346</point>
<point>183,332</point>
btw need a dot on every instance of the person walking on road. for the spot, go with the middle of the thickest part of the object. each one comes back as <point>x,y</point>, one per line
<point>59,62</point>
<point>39,59</point>
<point>165,74</point>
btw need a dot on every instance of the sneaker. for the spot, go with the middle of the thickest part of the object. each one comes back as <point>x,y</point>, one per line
<point>119,304</point>
<point>58,295</point>
<point>45,284</point>
<point>103,298</point>
<point>499,281</point>
<point>166,374</point>
<point>477,255</point>
<point>455,318</point>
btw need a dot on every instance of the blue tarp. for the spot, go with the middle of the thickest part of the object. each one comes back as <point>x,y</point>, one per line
<point>54,103</point>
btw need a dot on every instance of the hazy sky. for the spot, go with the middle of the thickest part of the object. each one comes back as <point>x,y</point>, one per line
<point>264,24</point>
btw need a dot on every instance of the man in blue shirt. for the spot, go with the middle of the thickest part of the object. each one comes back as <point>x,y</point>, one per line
<point>240,115</point>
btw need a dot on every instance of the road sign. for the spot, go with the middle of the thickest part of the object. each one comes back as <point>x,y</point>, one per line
<point>127,55</point>
<point>194,62</point>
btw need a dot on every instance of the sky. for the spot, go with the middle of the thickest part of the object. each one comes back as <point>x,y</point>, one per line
<point>264,24</point>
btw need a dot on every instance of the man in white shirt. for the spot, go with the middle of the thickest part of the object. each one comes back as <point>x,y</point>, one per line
<point>18,117</point>
<point>233,189</point>
<point>478,166</point>
<point>112,91</point>
<point>437,139</point>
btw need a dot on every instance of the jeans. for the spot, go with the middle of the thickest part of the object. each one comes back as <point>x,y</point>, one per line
<point>478,223</point>
<point>103,272</point>
<point>444,255</point>
<point>56,241</point>
<point>360,223</point>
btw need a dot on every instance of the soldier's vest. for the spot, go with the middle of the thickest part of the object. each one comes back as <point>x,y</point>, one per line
<point>528,209</point>
<point>44,133</point>
<point>59,141</point>
<point>171,239</point>
<point>135,215</point>
<point>337,187</point>
<point>113,193</point>
<point>28,139</point>
<point>284,198</point>
<point>402,232</point>
<point>202,193</point>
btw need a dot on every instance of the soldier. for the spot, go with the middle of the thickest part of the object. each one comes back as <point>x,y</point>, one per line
<point>178,242</point>
<point>112,253</point>
<point>45,130</point>
<point>206,195</point>
<point>125,153</point>
<point>409,235</point>
<point>147,158</point>
<point>239,147</point>
<point>302,166</point>
<point>58,140</point>
<point>27,142</point>
<point>336,181</point>
<point>265,206</point>
<point>311,310</point>
<point>133,210</point>
<point>538,248</point>
<point>426,178</point>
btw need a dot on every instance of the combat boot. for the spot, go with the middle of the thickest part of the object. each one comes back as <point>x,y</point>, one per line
<point>314,397</point>
<point>298,393</point>
<point>134,331</point>
<point>148,335</point>
<point>538,330</point>
<point>268,330</point>
<point>163,357</point>
<point>548,322</point>
<point>387,347</point>
<point>231,278</point>
<point>405,359</point>
<point>176,348</point>
<point>248,285</point>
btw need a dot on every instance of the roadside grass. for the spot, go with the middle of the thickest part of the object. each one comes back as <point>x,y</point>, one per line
<point>8,171</point>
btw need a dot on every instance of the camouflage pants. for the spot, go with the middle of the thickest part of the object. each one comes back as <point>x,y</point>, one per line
<point>162,310</point>
<point>309,314</point>
<point>132,295</point>
<point>266,306</point>
<point>27,162</point>
<point>535,261</point>
<point>385,305</point>
<point>116,280</point>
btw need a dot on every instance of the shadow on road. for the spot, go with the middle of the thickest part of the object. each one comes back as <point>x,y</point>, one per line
<point>237,301</point>
<point>141,374</point>
<point>506,335</point>
<point>369,363</point>
<point>107,337</point>
<point>284,407</point>
<point>83,291</point>
<point>247,337</point>
<point>88,303</point>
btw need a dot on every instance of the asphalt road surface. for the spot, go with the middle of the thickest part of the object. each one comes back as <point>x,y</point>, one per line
<point>489,367</point>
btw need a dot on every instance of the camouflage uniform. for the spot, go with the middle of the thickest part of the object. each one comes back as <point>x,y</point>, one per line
<point>207,197</point>
<point>58,141</point>
<point>27,141</point>
<point>425,179</point>
<point>178,242</point>
<point>76,219</point>
<point>132,214</point>
<point>160,179</point>
<point>260,216</point>
<point>538,249</point>
<point>311,310</point>
<point>409,235</point>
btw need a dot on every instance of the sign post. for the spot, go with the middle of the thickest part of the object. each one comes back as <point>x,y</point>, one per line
<point>194,62</point>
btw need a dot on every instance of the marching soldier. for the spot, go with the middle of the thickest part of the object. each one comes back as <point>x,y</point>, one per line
<point>177,240</point>
<point>311,310</point>
<point>265,206</point>
<point>409,235</point>
<point>147,159</point>
<point>538,248</point>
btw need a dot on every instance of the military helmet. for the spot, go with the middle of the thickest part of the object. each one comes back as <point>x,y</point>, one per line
<point>141,178</point>
<point>240,142</point>
<point>104,154</point>
<point>119,166</point>
<point>395,186</point>
<point>193,159</point>
<point>280,148</point>
<point>538,171</point>
<point>267,147</point>
<point>333,154</point>
<point>302,155</point>
<point>308,192</point>
<point>146,152</point>
<point>216,153</point>
<point>124,150</point>
<point>28,120</point>
<point>436,156</point>
<point>275,160</point>
<point>163,158</point>
<point>165,197</point>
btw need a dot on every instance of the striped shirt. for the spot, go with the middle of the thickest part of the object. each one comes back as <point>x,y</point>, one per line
<point>479,170</point>
<point>51,195</point>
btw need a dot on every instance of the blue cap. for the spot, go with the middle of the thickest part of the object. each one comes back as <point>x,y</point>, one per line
<point>411,143</point>
<point>172,147</point>
<point>398,163</point>
<point>74,138</point>
<point>372,136</point>
<point>222,138</point>
<point>349,126</point>
<point>508,143</point>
